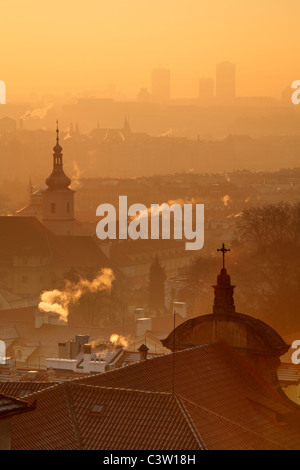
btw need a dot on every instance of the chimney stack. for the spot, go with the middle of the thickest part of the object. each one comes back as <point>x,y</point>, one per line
<point>87,356</point>
<point>51,374</point>
<point>13,373</point>
<point>143,350</point>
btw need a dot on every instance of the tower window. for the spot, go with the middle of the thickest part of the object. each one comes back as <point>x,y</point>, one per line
<point>68,207</point>
<point>52,207</point>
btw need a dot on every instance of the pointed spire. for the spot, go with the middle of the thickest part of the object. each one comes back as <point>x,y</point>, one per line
<point>57,156</point>
<point>57,133</point>
<point>58,179</point>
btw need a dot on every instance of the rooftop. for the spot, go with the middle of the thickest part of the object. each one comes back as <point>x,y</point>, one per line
<point>214,401</point>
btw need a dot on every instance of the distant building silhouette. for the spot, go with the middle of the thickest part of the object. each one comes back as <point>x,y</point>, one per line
<point>161,85</point>
<point>225,81</point>
<point>206,89</point>
<point>143,95</point>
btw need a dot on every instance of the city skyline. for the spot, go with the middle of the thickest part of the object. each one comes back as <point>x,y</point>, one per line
<point>66,49</point>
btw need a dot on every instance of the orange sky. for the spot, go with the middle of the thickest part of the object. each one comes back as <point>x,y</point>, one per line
<point>56,46</point>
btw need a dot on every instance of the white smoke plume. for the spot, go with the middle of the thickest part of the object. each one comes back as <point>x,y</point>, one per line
<point>118,340</point>
<point>76,175</point>
<point>39,113</point>
<point>167,133</point>
<point>163,207</point>
<point>226,200</point>
<point>58,301</point>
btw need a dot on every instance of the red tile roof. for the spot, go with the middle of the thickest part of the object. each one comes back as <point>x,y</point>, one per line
<point>11,406</point>
<point>51,425</point>
<point>214,377</point>
<point>131,420</point>
<point>65,418</point>
<point>219,433</point>
<point>20,389</point>
<point>218,403</point>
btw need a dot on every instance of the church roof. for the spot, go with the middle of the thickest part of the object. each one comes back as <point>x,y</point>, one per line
<point>242,332</point>
<point>22,236</point>
<point>27,236</point>
<point>268,341</point>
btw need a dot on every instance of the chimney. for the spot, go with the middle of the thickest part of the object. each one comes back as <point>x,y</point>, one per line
<point>82,340</point>
<point>13,373</point>
<point>87,356</point>
<point>143,325</point>
<point>143,350</point>
<point>180,308</point>
<point>62,351</point>
<point>51,374</point>
<point>139,313</point>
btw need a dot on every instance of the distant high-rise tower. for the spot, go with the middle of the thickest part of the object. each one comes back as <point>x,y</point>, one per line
<point>161,85</point>
<point>206,89</point>
<point>58,198</point>
<point>225,81</point>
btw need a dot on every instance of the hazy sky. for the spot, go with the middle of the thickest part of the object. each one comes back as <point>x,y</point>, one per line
<point>56,46</point>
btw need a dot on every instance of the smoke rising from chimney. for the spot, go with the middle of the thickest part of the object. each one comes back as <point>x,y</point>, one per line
<point>226,200</point>
<point>118,340</point>
<point>58,301</point>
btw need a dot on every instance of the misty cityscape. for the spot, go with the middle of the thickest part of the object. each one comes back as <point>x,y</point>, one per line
<point>133,342</point>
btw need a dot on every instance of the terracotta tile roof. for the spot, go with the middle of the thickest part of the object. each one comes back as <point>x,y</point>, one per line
<point>51,426</point>
<point>218,403</point>
<point>11,406</point>
<point>80,251</point>
<point>20,389</point>
<point>130,357</point>
<point>34,239</point>
<point>74,416</point>
<point>219,433</point>
<point>214,377</point>
<point>131,420</point>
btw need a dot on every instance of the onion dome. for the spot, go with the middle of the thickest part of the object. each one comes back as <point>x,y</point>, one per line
<point>58,179</point>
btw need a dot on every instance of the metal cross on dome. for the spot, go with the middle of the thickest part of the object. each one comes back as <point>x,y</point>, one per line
<point>57,131</point>
<point>224,250</point>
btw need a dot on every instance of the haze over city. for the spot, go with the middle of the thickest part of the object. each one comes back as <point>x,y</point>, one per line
<point>149,227</point>
<point>55,47</point>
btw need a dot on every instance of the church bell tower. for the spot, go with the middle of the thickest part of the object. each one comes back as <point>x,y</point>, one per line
<point>58,198</point>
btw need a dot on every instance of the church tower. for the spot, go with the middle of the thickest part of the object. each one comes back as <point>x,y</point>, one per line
<point>58,198</point>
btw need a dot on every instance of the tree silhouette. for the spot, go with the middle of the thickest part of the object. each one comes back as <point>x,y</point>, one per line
<point>157,277</point>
